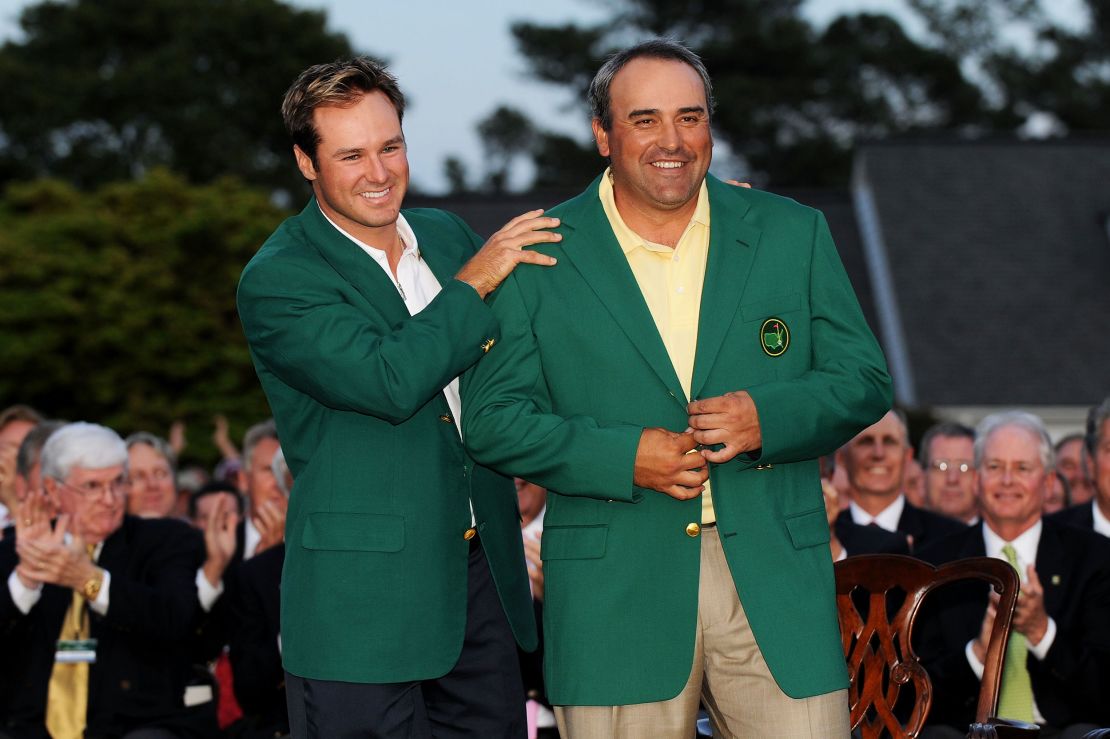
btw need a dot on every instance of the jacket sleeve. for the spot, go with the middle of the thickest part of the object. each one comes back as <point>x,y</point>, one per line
<point>508,422</point>
<point>302,327</point>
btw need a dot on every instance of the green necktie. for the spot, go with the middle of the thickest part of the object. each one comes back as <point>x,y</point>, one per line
<point>1015,699</point>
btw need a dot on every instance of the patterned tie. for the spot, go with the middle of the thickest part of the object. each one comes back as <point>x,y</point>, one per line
<point>1015,698</point>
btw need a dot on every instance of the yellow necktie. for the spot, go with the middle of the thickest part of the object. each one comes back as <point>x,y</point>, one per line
<point>67,699</point>
<point>1015,699</point>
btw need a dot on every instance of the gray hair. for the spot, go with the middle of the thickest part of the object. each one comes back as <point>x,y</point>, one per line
<point>260,431</point>
<point>599,98</point>
<point>1020,419</point>
<point>84,445</point>
<point>157,443</point>
<point>943,430</point>
<point>30,451</point>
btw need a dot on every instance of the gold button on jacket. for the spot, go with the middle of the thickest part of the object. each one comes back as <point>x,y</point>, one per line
<point>692,529</point>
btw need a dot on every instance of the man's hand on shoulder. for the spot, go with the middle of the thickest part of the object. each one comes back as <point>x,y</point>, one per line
<point>505,250</point>
<point>730,419</point>
<point>668,462</point>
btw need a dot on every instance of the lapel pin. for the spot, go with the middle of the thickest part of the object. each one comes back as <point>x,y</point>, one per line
<point>1055,579</point>
<point>774,337</point>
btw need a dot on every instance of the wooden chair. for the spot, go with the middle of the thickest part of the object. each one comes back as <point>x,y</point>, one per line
<point>881,660</point>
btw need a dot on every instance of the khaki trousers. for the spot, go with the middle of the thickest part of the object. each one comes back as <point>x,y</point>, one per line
<point>728,675</point>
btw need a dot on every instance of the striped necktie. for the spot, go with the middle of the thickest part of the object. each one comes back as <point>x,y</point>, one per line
<point>1015,698</point>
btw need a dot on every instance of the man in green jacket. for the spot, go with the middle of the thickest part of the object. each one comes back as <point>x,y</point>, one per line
<point>671,382</point>
<point>404,580</point>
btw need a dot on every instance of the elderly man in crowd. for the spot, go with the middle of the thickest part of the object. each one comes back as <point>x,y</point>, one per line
<point>1096,513</point>
<point>151,467</point>
<point>1058,659</point>
<point>875,461</point>
<point>96,606</point>
<point>947,451</point>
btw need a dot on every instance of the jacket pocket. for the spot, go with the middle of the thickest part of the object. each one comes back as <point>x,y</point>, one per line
<point>808,529</point>
<point>354,532</point>
<point>768,307</point>
<point>573,542</point>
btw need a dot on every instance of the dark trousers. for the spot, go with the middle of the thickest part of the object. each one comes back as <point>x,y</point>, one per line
<point>482,696</point>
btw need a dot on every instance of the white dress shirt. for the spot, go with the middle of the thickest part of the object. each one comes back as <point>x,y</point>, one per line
<point>1102,523</point>
<point>887,518</point>
<point>1025,546</point>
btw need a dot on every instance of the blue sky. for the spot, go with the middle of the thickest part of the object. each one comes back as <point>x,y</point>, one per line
<point>456,62</point>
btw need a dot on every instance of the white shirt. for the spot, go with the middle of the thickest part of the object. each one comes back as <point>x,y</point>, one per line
<point>5,517</point>
<point>25,598</point>
<point>1102,523</point>
<point>888,518</point>
<point>251,538</point>
<point>1025,546</point>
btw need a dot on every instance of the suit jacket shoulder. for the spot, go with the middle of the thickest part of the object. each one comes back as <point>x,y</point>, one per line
<point>1082,516</point>
<point>926,526</point>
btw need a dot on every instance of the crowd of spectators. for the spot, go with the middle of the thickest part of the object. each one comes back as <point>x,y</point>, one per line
<point>141,600</point>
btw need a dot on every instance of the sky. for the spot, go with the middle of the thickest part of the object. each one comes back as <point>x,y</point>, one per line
<point>456,62</point>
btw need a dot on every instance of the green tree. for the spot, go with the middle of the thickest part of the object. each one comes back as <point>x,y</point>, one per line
<point>792,98</point>
<point>103,90</point>
<point>506,134</point>
<point>118,305</point>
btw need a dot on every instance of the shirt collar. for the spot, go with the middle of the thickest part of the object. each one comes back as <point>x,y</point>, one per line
<point>1025,545</point>
<point>629,239</point>
<point>404,230</point>
<point>887,518</point>
<point>1102,523</point>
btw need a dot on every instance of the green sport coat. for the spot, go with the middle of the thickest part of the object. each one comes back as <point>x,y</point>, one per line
<point>374,586</point>
<point>580,370</point>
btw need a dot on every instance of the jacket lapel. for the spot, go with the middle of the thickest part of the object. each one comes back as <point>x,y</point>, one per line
<point>732,248</point>
<point>597,256</point>
<point>1052,566</point>
<point>353,264</point>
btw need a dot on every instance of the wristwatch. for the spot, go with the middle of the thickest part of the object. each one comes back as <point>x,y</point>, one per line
<point>91,588</point>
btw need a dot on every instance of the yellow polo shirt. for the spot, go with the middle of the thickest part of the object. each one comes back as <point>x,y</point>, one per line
<point>671,281</point>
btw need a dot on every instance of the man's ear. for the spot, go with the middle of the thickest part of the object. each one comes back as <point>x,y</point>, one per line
<point>304,163</point>
<point>601,138</point>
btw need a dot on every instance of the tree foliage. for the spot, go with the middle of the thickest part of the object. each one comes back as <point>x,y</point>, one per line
<point>104,90</point>
<point>118,305</point>
<point>793,98</point>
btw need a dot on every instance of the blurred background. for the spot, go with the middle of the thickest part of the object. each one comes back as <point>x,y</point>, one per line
<point>959,149</point>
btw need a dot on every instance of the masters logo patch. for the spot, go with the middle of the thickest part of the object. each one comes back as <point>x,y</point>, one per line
<point>774,337</point>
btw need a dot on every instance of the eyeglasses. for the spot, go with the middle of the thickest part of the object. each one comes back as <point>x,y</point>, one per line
<point>93,488</point>
<point>943,466</point>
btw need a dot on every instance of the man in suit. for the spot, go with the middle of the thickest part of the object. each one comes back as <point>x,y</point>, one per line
<point>1095,514</point>
<point>1059,629</point>
<point>604,365</point>
<point>875,461</point>
<point>96,573</point>
<point>404,580</point>
<point>256,644</point>
<point>946,455</point>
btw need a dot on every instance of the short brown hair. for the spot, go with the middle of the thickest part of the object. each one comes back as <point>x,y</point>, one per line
<point>19,412</point>
<point>340,83</point>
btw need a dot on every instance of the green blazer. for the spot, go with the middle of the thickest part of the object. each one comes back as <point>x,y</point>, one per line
<point>580,370</point>
<point>374,586</point>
